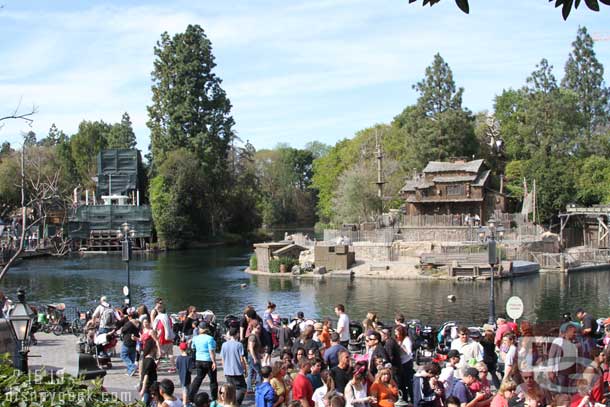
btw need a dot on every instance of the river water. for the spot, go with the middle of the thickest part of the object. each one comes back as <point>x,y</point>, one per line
<point>213,279</point>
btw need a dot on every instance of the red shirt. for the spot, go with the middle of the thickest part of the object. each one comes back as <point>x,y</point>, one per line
<point>302,389</point>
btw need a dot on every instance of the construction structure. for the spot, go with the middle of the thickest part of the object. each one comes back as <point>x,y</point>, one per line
<point>94,223</point>
<point>589,226</point>
<point>453,188</point>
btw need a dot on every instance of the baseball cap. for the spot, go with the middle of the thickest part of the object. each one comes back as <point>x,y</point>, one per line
<point>300,315</point>
<point>183,346</point>
<point>471,371</point>
<point>104,301</point>
<point>203,325</point>
<point>453,353</point>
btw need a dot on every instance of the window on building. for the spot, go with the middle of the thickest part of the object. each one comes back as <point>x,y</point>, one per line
<point>453,190</point>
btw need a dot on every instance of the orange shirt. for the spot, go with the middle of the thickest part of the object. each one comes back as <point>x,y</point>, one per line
<point>385,394</point>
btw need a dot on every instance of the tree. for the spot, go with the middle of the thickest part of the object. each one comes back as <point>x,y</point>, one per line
<point>54,137</point>
<point>566,5</point>
<point>191,111</point>
<point>592,181</point>
<point>121,134</point>
<point>29,138</point>
<point>317,149</point>
<point>584,75</point>
<point>356,197</point>
<point>437,127</point>
<point>175,198</point>
<point>90,139</point>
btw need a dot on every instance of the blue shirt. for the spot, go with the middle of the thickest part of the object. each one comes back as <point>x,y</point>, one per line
<point>184,363</point>
<point>265,395</point>
<point>231,353</point>
<point>461,392</point>
<point>203,344</point>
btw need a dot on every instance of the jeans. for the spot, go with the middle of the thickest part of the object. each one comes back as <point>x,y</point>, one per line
<point>407,380</point>
<point>128,355</point>
<point>204,368</point>
<point>254,372</point>
<point>240,386</point>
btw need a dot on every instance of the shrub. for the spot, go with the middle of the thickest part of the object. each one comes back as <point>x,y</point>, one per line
<point>253,262</point>
<point>274,264</point>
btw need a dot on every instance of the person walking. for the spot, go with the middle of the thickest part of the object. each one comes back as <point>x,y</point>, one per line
<point>204,346</point>
<point>130,332</point>
<point>234,363</point>
<point>255,348</point>
<point>149,371</point>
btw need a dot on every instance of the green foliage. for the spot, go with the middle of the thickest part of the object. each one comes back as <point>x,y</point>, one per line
<point>355,199</point>
<point>284,175</point>
<point>253,262</point>
<point>45,390</point>
<point>90,139</point>
<point>593,181</point>
<point>121,134</point>
<point>274,264</point>
<point>175,198</point>
<point>584,75</point>
<point>10,195</point>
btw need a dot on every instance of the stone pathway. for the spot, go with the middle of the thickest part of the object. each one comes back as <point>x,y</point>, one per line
<point>58,352</point>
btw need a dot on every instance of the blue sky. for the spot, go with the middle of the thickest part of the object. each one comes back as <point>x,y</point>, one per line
<point>295,71</point>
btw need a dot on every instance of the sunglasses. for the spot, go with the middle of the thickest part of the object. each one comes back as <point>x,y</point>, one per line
<point>372,339</point>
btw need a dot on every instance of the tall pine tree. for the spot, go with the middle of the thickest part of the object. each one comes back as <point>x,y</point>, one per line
<point>121,134</point>
<point>584,75</point>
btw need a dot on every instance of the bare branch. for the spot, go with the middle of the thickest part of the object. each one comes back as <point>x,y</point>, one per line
<point>16,115</point>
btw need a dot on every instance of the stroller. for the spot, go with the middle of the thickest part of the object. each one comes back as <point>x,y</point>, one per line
<point>447,332</point>
<point>424,352</point>
<point>356,337</point>
<point>104,345</point>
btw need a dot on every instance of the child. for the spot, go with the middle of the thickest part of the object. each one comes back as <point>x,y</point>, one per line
<point>265,395</point>
<point>184,364</point>
<point>166,389</point>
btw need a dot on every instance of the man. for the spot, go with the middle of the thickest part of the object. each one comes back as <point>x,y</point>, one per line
<point>588,330</point>
<point>130,334</point>
<point>510,356</point>
<point>563,356</point>
<point>314,376</point>
<point>165,331</point>
<point>155,308</point>
<point>301,387</point>
<point>399,320</point>
<point>342,325</point>
<point>376,351</point>
<point>234,363</point>
<point>471,351</point>
<point>461,389</point>
<point>447,376</point>
<point>105,314</point>
<point>255,351</point>
<point>331,355</point>
<point>265,394</point>
<point>342,373</point>
<point>204,346</point>
<point>393,350</point>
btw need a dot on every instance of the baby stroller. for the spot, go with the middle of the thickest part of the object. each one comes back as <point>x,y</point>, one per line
<point>104,346</point>
<point>447,332</point>
<point>424,352</point>
<point>356,337</point>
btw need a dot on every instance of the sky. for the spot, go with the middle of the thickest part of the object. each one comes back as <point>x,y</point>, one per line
<point>295,71</point>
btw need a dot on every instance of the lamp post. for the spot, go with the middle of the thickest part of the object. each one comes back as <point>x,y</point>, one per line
<point>125,233</point>
<point>489,234</point>
<point>21,318</point>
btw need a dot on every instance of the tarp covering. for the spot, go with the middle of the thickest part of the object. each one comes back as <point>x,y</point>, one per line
<point>110,218</point>
<point>117,169</point>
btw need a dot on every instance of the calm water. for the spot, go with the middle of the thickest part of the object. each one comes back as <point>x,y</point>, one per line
<point>212,279</point>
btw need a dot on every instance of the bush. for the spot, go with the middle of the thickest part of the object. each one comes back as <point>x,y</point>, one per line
<point>253,262</point>
<point>17,389</point>
<point>274,264</point>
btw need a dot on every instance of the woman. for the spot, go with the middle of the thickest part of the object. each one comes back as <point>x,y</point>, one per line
<point>147,333</point>
<point>356,391</point>
<point>324,336</point>
<point>277,382</point>
<point>482,385</point>
<point>148,371</point>
<point>189,322</point>
<point>505,393</point>
<point>142,311</point>
<point>299,354</point>
<point>370,322</point>
<point>384,389</point>
<point>406,360</point>
<point>227,396</point>
<point>270,328</point>
<point>489,353</point>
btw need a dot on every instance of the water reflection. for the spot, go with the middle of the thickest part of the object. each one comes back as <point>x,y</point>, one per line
<point>214,279</point>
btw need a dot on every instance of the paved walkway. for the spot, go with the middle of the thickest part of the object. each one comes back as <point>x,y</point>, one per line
<point>58,352</point>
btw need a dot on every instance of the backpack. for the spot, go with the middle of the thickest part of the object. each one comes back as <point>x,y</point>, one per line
<point>295,332</point>
<point>107,319</point>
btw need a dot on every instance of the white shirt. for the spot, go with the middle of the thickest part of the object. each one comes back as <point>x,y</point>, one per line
<point>318,396</point>
<point>407,347</point>
<point>447,377</point>
<point>343,327</point>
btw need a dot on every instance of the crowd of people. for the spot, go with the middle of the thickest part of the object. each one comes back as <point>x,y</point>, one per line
<point>305,363</point>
